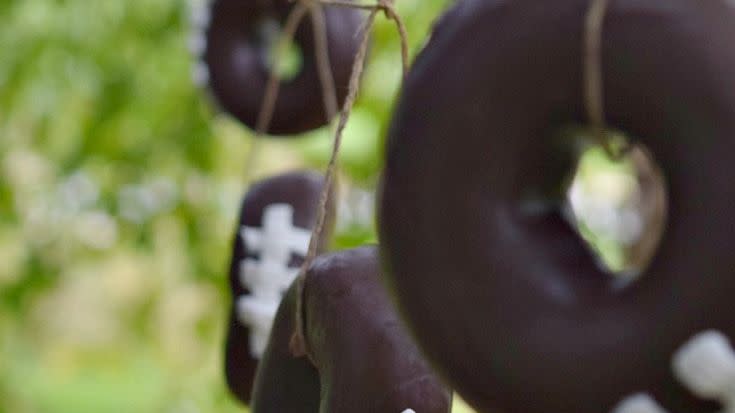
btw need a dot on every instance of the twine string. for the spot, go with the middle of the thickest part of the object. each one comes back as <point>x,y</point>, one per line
<point>324,66</point>
<point>270,96</point>
<point>298,345</point>
<point>594,97</point>
<point>315,8</point>
<point>389,9</point>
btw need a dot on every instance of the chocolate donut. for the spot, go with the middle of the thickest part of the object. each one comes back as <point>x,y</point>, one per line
<point>233,44</point>
<point>506,299</point>
<point>271,241</point>
<point>360,358</point>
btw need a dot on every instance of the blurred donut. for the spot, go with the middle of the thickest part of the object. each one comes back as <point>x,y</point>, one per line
<point>271,241</point>
<point>507,300</point>
<point>233,40</point>
<point>360,357</point>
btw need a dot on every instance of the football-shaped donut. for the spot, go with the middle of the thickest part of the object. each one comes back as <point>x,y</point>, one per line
<point>271,241</point>
<point>506,299</point>
<point>359,357</point>
<point>234,43</point>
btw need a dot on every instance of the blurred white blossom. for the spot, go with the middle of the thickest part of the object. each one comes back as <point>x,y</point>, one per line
<point>77,193</point>
<point>355,208</point>
<point>26,169</point>
<point>139,203</point>
<point>96,229</point>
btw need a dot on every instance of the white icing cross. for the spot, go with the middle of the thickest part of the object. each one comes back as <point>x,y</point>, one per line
<point>408,411</point>
<point>705,365</point>
<point>268,276</point>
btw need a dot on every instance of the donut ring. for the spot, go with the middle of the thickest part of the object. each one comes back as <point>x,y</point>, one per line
<point>234,62</point>
<point>293,197</point>
<point>507,302</point>
<point>360,357</point>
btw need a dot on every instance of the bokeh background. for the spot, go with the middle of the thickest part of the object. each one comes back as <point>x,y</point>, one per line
<point>119,189</point>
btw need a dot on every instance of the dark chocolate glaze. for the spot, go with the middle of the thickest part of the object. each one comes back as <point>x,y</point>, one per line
<point>368,361</point>
<point>509,304</point>
<point>301,190</point>
<point>239,75</point>
<point>365,359</point>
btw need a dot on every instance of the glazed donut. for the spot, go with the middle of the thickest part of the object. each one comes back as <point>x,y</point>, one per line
<point>233,45</point>
<point>507,300</point>
<point>359,358</point>
<point>271,241</point>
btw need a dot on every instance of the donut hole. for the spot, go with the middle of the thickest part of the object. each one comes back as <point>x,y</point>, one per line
<point>285,59</point>
<point>618,206</point>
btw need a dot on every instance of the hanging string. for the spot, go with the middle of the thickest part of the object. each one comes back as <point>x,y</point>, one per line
<point>316,10</point>
<point>324,66</point>
<point>388,8</point>
<point>298,343</point>
<point>329,96</point>
<point>315,7</point>
<point>270,96</point>
<point>594,98</point>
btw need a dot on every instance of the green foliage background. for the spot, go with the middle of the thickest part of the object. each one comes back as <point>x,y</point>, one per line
<point>119,188</point>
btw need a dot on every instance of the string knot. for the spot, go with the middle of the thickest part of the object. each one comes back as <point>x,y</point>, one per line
<point>388,8</point>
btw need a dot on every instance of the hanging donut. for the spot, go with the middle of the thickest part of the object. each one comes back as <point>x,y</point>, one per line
<point>234,39</point>
<point>506,299</point>
<point>360,358</point>
<point>271,241</point>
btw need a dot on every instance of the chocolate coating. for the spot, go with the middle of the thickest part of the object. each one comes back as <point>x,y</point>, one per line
<point>508,303</point>
<point>235,55</point>
<point>359,343</point>
<point>366,361</point>
<point>300,190</point>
